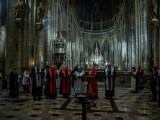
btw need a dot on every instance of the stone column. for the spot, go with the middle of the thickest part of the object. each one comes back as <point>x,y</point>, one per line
<point>136,27</point>
<point>156,45</point>
<point>155,25</point>
<point>146,48</point>
<point>41,47</point>
<point>138,34</point>
<point>50,39</point>
<point>30,35</point>
<point>116,48</point>
<point>26,42</point>
<point>36,47</point>
<point>39,50</point>
<point>20,22</point>
<point>20,46</point>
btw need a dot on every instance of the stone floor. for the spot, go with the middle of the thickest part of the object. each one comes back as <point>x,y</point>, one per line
<point>124,106</point>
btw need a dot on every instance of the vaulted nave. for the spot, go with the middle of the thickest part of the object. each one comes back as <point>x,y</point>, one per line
<point>52,44</point>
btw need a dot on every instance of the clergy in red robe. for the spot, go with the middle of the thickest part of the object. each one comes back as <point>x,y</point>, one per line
<point>140,74</point>
<point>51,76</point>
<point>66,80</point>
<point>92,83</point>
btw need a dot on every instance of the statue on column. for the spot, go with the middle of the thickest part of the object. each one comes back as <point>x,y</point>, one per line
<point>154,9</point>
<point>39,16</point>
<point>19,10</point>
<point>40,12</point>
<point>154,13</point>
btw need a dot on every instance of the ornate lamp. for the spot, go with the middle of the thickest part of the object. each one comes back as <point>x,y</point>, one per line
<point>60,42</point>
<point>59,45</point>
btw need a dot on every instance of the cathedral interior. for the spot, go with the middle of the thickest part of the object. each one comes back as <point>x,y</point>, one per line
<point>124,33</point>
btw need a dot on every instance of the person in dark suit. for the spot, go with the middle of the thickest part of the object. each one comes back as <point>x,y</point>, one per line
<point>36,76</point>
<point>13,83</point>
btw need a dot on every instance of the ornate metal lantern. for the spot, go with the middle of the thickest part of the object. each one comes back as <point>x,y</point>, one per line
<point>59,45</point>
<point>60,42</point>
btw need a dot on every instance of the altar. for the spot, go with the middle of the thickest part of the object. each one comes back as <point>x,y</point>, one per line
<point>96,57</point>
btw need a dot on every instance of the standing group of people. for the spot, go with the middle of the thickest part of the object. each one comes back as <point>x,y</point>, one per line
<point>51,78</point>
<point>155,84</point>
<point>92,86</point>
<point>137,79</point>
<point>51,81</point>
<point>33,81</point>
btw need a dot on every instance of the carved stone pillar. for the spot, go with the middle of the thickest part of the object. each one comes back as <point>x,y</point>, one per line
<point>39,15</point>
<point>27,32</point>
<point>3,19</point>
<point>39,44</point>
<point>20,10</point>
<point>155,45</point>
<point>20,46</point>
<point>146,42</point>
<point>32,32</point>
<point>155,25</point>
<point>36,47</point>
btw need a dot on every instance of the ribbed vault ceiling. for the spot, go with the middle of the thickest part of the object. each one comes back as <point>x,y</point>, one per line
<point>95,10</point>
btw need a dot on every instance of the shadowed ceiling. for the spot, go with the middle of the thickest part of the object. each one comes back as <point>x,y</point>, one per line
<point>95,10</point>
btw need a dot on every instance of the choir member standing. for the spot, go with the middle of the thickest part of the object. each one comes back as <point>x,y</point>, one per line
<point>13,83</point>
<point>110,74</point>
<point>51,82</point>
<point>36,76</point>
<point>73,75</point>
<point>92,83</point>
<point>154,84</point>
<point>134,82</point>
<point>26,81</point>
<point>58,80</point>
<point>66,80</point>
<point>140,74</point>
<point>79,84</point>
<point>46,80</point>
